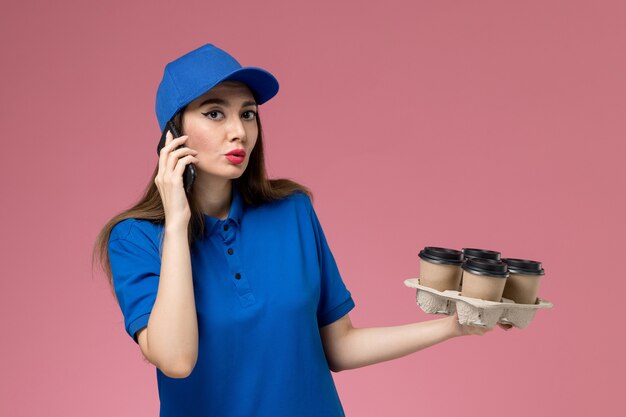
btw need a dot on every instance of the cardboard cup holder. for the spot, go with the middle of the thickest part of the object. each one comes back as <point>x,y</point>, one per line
<point>474,311</point>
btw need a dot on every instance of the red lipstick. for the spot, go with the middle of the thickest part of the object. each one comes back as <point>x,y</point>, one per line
<point>236,156</point>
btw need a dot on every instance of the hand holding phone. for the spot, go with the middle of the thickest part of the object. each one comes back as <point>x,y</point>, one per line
<point>189,175</point>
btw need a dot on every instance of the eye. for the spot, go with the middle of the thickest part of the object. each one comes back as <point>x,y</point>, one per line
<point>211,113</point>
<point>251,115</point>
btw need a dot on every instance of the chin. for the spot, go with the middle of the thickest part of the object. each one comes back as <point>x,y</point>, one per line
<point>232,172</point>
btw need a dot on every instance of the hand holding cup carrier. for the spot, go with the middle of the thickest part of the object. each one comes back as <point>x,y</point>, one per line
<point>484,288</point>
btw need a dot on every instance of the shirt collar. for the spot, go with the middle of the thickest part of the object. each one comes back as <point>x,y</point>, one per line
<point>234,215</point>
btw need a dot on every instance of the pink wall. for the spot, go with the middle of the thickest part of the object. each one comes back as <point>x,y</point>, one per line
<point>489,124</point>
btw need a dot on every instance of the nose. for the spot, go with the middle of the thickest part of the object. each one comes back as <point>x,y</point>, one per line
<point>236,129</point>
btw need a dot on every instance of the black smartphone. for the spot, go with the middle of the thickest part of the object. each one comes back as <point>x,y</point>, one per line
<point>189,175</point>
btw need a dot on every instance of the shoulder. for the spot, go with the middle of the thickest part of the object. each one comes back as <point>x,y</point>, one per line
<point>299,200</point>
<point>144,233</point>
<point>300,204</point>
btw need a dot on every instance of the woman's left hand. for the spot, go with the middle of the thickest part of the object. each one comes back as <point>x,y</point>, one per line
<point>459,329</point>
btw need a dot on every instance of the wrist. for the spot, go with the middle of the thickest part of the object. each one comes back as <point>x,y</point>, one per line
<point>453,326</point>
<point>175,228</point>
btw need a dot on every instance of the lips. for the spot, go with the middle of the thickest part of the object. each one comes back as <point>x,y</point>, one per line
<point>237,152</point>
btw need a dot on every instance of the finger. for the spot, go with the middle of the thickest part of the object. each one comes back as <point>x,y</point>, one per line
<point>166,151</point>
<point>168,136</point>
<point>174,143</point>
<point>182,162</point>
<point>185,150</point>
<point>178,154</point>
<point>178,150</point>
<point>483,330</point>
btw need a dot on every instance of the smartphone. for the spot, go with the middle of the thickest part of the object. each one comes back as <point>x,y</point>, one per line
<point>189,175</point>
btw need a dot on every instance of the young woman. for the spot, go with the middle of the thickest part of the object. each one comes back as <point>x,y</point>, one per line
<point>231,291</point>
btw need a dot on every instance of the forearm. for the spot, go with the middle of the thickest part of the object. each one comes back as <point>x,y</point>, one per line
<point>366,346</point>
<point>172,327</point>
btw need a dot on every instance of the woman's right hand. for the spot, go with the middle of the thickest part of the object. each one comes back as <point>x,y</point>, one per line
<point>169,179</point>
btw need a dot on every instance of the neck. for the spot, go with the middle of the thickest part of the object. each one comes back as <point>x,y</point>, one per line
<point>214,197</point>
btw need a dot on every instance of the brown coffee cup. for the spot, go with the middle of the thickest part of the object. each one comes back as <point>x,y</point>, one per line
<point>484,279</point>
<point>440,268</point>
<point>479,253</point>
<point>522,286</point>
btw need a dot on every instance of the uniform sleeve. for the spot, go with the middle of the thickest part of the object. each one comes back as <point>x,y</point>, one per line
<point>135,267</point>
<point>335,299</point>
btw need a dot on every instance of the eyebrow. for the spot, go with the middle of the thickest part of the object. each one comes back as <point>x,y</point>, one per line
<point>225,102</point>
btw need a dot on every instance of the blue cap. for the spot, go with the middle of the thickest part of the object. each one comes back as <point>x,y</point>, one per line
<point>196,72</point>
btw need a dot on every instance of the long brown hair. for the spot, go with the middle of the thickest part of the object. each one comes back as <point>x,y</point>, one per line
<point>253,185</point>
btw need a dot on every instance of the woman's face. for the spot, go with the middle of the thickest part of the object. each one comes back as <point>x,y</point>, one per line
<point>219,121</point>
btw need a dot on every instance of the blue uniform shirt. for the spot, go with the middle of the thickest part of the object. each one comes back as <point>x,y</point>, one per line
<point>264,281</point>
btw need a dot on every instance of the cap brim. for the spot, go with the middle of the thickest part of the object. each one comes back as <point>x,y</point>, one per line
<point>263,84</point>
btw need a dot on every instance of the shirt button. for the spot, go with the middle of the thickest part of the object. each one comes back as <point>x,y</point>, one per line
<point>225,227</point>
<point>237,275</point>
<point>230,251</point>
